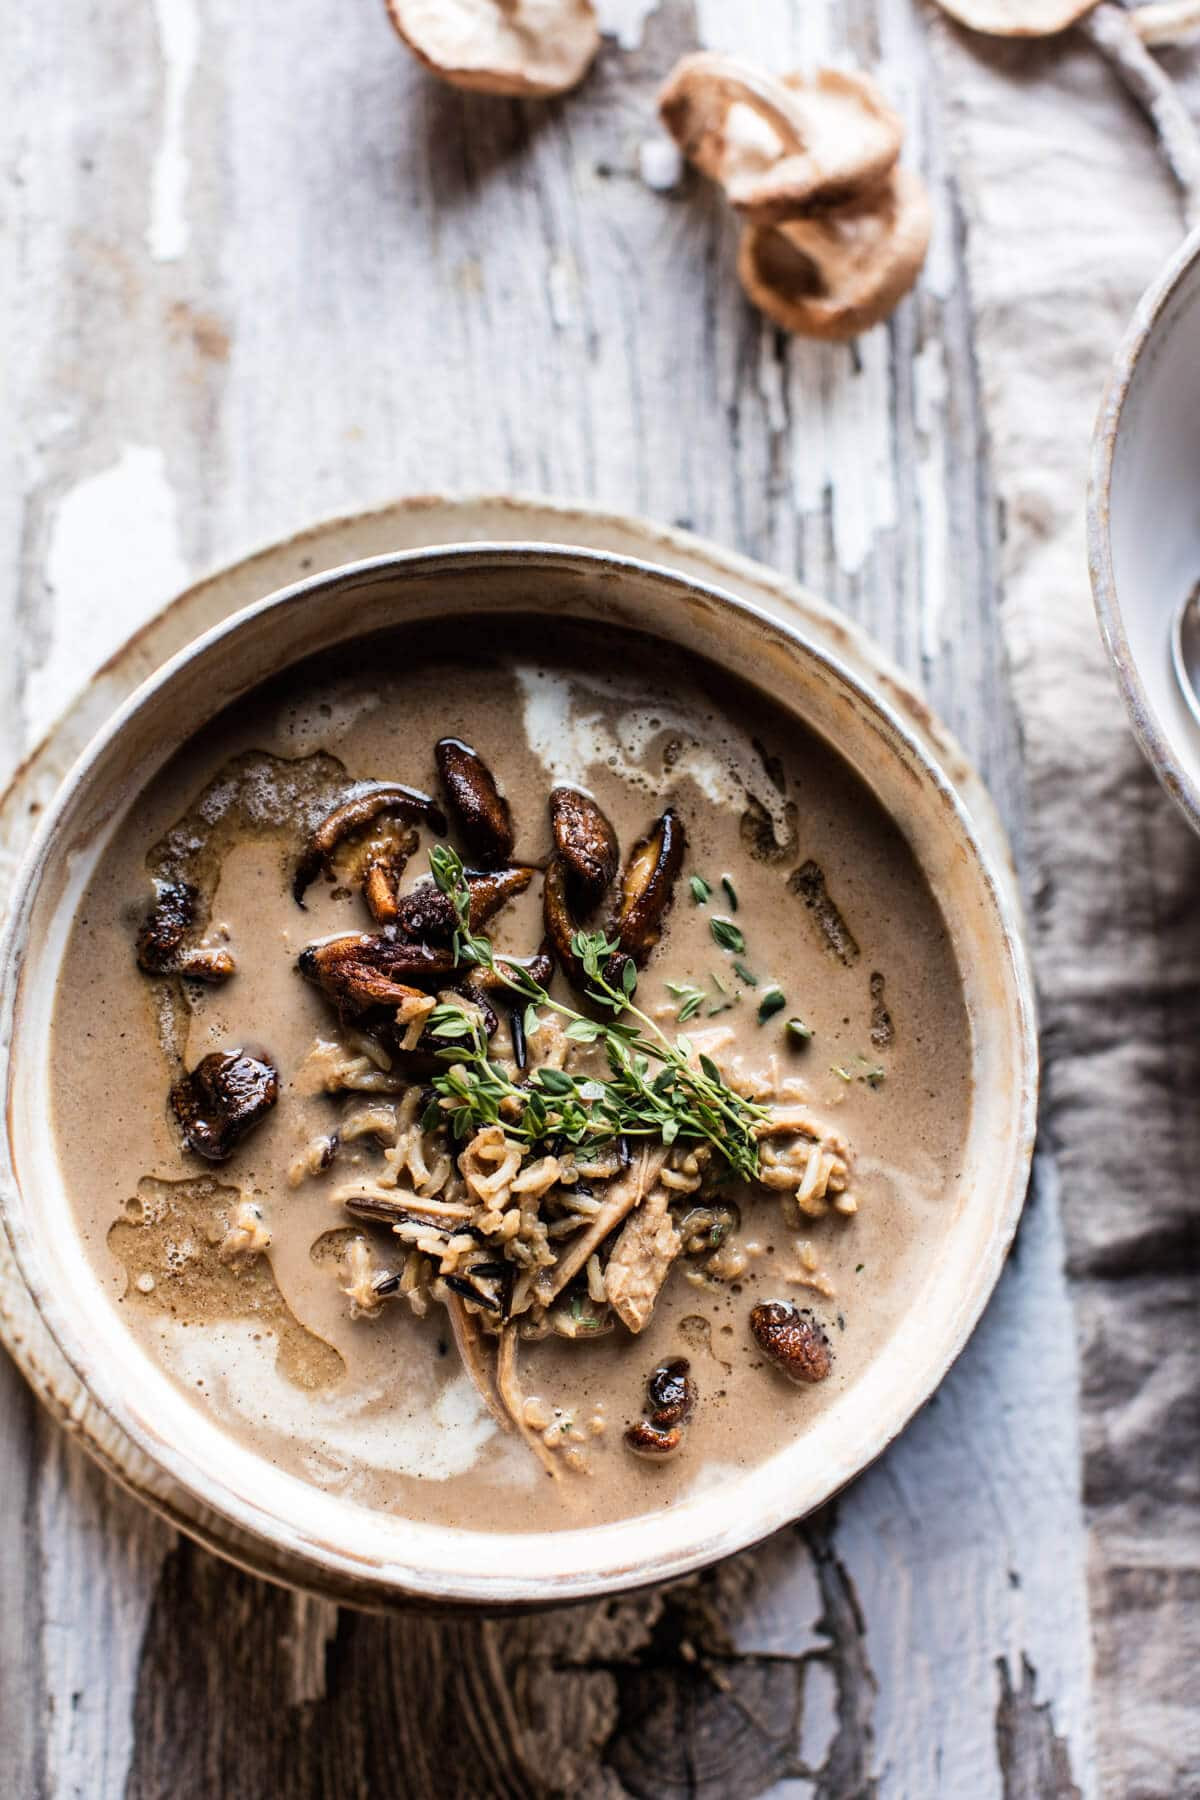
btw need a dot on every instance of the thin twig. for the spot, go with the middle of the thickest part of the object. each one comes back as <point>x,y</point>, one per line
<point>1111,29</point>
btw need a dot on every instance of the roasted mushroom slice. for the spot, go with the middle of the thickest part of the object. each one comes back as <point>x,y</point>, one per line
<point>426,915</point>
<point>586,844</point>
<point>793,1339</point>
<point>385,859</point>
<point>839,272</point>
<point>648,886</point>
<point>359,970</point>
<point>162,942</point>
<point>528,48</point>
<point>223,1098</point>
<point>560,924</point>
<point>354,814</point>
<point>780,146</point>
<point>479,809</point>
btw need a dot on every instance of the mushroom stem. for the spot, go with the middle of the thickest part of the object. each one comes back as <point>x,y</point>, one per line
<point>1115,34</point>
<point>1166,21</point>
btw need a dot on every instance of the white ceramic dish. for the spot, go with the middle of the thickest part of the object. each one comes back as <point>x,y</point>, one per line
<point>176,1456</point>
<point>1144,516</point>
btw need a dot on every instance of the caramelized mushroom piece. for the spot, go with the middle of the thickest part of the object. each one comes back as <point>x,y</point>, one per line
<point>354,814</point>
<point>383,865</point>
<point>780,146</point>
<point>479,809</point>
<point>527,48</point>
<point>473,991</point>
<point>162,947</point>
<point>648,886</point>
<point>671,1393</point>
<point>645,1439</point>
<point>359,970</point>
<point>586,843</point>
<point>793,1339</point>
<point>840,271</point>
<point>426,915</point>
<point>671,1399</point>
<point>560,925</point>
<point>223,1098</point>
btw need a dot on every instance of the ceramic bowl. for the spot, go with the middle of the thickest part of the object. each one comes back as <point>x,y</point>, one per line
<point>1144,516</point>
<point>164,1445</point>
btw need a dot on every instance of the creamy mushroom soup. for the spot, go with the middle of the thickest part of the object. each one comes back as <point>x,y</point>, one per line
<point>511,1078</point>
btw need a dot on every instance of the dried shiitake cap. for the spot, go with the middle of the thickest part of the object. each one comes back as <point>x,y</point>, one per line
<point>1017,18</point>
<point>841,271</point>
<point>780,145</point>
<point>523,47</point>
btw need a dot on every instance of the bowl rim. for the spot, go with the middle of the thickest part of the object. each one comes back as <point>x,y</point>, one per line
<point>222,1519</point>
<point>1139,334</point>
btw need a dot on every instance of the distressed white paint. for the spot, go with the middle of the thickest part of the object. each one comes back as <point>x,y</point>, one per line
<point>625,20</point>
<point>400,318</point>
<point>112,556</point>
<point>660,163</point>
<point>97,1588</point>
<point>976,1512</point>
<point>178,37</point>
<point>929,403</point>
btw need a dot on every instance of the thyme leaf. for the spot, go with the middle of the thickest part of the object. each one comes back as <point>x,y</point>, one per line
<point>774,1000</point>
<point>654,1089</point>
<point>727,935</point>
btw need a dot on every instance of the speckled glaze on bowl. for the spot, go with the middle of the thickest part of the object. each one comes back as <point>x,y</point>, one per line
<point>1144,516</point>
<point>181,1460</point>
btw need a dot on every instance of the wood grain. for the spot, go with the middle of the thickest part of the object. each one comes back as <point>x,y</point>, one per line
<point>264,269</point>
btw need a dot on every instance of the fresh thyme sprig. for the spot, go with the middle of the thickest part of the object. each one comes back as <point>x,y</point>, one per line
<point>652,1090</point>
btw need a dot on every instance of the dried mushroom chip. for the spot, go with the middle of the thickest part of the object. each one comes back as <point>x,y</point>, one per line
<point>780,146</point>
<point>1017,18</point>
<point>522,47</point>
<point>839,272</point>
<point>222,1099</point>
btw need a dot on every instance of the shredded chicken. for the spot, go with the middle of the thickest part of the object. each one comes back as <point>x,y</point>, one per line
<point>620,1201</point>
<point>641,1260</point>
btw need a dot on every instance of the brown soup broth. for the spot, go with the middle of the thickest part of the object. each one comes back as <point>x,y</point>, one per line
<point>833,909</point>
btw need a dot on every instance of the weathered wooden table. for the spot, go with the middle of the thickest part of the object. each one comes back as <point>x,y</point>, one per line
<point>261,269</point>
